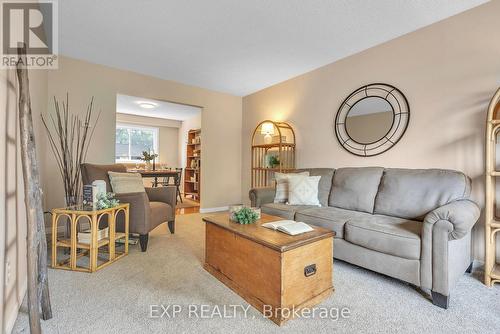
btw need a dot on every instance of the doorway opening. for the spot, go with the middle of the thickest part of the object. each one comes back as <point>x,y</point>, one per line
<point>171,135</point>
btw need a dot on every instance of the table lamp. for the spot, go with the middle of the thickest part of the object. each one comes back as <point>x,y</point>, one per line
<point>267,129</point>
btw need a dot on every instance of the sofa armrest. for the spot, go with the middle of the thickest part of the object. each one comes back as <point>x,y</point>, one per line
<point>167,194</point>
<point>139,211</point>
<point>462,215</point>
<point>260,196</point>
<point>445,252</point>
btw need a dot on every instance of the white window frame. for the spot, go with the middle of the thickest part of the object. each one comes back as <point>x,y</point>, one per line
<point>129,126</point>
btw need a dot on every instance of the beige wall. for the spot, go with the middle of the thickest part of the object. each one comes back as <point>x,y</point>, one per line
<point>12,209</point>
<point>168,136</point>
<point>221,123</point>
<point>169,146</point>
<point>448,71</point>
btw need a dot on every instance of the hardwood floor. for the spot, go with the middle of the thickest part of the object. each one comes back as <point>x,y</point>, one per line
<point>188,206</point>
<point>185,211</point>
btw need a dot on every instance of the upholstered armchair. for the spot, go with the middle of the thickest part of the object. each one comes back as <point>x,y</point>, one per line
<point>147,209</point>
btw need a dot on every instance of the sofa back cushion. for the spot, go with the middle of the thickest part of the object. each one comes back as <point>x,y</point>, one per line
<point>92,172</point>
<point>355,188</point>
<point>325,183</point>
<point>412,193</point>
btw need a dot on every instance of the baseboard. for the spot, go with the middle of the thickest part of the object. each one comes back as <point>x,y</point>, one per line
<point>209,210</point>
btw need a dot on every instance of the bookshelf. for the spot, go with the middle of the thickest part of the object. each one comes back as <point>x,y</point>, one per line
<point>192,172</point>
<point>276,153</point>
<point>492,222</point>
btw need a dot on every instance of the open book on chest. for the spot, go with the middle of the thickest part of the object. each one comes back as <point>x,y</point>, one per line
<point>289,227</point>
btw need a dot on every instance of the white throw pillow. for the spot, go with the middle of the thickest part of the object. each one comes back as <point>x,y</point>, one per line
<point>122,183</point>
<point>281,195</point>
<point>303,190</point>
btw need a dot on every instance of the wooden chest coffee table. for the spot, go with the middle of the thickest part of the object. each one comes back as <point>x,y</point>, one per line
<point>271,270</point>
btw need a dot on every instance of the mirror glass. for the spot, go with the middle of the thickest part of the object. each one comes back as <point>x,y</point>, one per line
<point>369,120</point>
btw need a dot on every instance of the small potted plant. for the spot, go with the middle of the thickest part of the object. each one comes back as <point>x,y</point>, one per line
<point>147,158</point>
<point>106,201</point>
<point>273,161</point>
<point>245,216</point>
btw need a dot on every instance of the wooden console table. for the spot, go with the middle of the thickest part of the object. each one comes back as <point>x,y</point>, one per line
<point>77,214</point>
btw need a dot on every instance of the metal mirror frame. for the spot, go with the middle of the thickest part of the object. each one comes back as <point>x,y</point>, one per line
<point>400,121</point>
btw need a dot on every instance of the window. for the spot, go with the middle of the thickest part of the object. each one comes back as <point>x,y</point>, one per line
<point>132,140</point>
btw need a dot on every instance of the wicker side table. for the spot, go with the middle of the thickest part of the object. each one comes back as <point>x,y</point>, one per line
<point>79,213</point>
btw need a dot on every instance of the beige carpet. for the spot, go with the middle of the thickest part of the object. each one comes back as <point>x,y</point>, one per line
<point>117,299</point>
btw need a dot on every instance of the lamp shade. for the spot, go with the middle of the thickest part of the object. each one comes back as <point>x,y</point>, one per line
<point>267,129</point>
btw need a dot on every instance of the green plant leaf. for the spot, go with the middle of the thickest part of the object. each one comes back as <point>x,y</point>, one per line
<point>246,216</point>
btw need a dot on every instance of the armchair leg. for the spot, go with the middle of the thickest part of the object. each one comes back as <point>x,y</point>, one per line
<point>171,226</point>
<point>440,300</point>
<point>143,241</point>
<point>469,269</point>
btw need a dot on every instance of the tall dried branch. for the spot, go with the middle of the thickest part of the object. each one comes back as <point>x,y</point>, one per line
<point>69,137</point>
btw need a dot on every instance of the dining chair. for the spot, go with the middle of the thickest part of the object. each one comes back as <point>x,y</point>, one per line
<point>177,182</point>
<point>164,182</point>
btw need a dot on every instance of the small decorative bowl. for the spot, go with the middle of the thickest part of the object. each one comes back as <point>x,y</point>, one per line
<point>233,209</point>
<point>257,211</point>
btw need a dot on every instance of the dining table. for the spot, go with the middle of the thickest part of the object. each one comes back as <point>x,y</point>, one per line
<point>157,173</point>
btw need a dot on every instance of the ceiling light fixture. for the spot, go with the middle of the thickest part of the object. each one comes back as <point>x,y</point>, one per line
<point>147,105</point>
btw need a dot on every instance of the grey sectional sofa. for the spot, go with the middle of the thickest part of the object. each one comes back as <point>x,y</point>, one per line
<point>411,224</point>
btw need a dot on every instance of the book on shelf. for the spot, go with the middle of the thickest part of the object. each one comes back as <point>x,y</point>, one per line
<point>290,227</point>
<point>131,241</point>
<point>276,139</point>
<point>85,237</point>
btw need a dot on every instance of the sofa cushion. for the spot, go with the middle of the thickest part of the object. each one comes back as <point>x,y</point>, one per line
<point>355,188</point>
<point>282,185</point>
<point>412,193</point>
<point>329,217</point>
<point>389,235</point>
<point>283,210</point>
<point>325,183</point>
<point>303,190</point>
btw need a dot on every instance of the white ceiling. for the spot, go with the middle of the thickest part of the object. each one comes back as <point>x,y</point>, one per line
<point>237,46</point>
<point>126,104</point>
